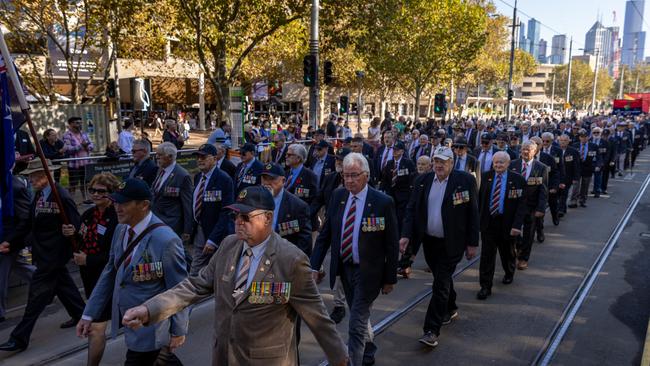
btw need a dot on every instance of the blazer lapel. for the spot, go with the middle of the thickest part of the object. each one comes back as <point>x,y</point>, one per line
<point>264,266</point>
<point>449,189</point>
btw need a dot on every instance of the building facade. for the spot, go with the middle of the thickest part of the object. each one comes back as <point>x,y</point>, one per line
<point>633,35</point>
<point>559,49</point>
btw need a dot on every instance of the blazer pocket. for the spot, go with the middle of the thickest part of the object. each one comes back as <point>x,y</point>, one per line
<point>268,352</point>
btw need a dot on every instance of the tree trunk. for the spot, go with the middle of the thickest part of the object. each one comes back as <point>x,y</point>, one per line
<point>418,95</point>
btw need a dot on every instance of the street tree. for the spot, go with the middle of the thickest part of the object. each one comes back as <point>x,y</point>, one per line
<point>582,83</point>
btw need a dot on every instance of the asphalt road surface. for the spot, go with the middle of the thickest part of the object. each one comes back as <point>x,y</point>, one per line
<point>510,328</point>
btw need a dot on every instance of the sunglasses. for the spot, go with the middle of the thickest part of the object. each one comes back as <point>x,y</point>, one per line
<point>98,191</point>
<point>136,150</point>
<point>243,217</point>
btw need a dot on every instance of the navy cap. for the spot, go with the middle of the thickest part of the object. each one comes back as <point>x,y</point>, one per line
<point>487,136</point>
<point>319,131</point>
<point>206,149</point>
<point>132,189</point>
<point>248,147</point>
<point>340,155</point>
<point>253,198</point>
<point>273,170</point>
<point>583,132</point>
<point>460,141</point>
<point>323,144</point>
<point>399,145</point>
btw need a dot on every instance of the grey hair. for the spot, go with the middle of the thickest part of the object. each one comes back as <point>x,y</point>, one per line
<point>529,143</point>
<point>170,122</point>
<point>502,154</point>
<point>143,144</point>
<point>353,159</point>
<point>548,135</point>
<point>220,147</point>
<point>168,149</point>
<point>299,150</point>
<point>426,137</point>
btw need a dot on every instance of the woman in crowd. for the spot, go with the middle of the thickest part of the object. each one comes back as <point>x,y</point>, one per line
<point>171,134</point>
<point>95,234</point>
<point>53,149</point>
<point>374,133</point>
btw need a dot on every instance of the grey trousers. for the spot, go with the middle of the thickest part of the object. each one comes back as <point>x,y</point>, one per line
<point>9,262</point>
<point>581,190</point>
<point>199,260</point>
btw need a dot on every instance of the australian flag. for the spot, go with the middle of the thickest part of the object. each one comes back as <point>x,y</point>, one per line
<point>12,119</point>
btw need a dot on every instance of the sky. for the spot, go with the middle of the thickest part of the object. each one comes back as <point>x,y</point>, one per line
<point>571,17</point>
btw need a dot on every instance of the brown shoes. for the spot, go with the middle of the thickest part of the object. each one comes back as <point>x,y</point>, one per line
<point>522,265</point>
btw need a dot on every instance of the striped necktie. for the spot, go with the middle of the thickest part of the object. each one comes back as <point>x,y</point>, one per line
<point>127,261</point>
<point>348,232</point>
<point>158,182</point>
<point>198,203</point>
<point>496,197</point>
<point>242,275</point>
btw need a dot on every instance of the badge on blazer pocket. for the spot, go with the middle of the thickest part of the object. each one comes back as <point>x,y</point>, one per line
<point>302,192</point>
<point>172,192</point>
<point>460,197</point>
<point>568,158</point>
<point>269,293</point>
<point>535,181</point>
<point>289,227</point>
<point>515,193</point>
<point>249,179</point>
<point>211,196</point>
<point>591,153</point>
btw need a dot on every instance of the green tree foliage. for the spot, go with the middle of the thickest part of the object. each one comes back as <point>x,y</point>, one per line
<point>582,84</point>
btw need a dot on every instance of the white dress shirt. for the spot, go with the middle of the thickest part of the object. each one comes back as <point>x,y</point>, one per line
<point>488,160</point>
<point>529,167</point>
<point>125,141</point>
<point>434,208</point>
<point>361,204</point>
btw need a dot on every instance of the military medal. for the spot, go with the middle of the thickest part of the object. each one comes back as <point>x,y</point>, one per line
<point>382,223</point>
<point>364,226</point>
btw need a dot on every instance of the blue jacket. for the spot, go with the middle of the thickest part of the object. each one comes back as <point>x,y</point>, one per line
<point>250,178</point>
<point>146,170</point>
<point>219,192</point>
<point>293,215</point>
<point>161,244</point>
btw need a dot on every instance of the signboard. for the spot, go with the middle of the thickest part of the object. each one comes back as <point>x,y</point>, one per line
<point>628,107</point>
<point>121,168</point>
<point>260,91</point>
<point>86,60</point>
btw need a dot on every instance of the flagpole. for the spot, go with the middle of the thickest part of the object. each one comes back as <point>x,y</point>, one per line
<point>24,106</point>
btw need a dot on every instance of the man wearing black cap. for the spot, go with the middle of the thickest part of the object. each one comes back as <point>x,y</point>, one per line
<point>146,259</point>
<point>263,283</point>
<point>248,171</point>
<point>485,152</point>
<point>279,151</point>
<point>397,178</point>
<point>464,161</point>
<point>319,136</point>
<point>323,163</point>
<point>214,190</point>
<point>589,161</point>
<point>502,144</point>
<point>51,251</point>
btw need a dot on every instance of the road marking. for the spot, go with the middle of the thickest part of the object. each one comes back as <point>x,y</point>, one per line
<point>552,342</point>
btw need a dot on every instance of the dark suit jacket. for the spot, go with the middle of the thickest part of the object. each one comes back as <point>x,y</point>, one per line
<point>571,163</point>
<point>331,182</point>
<point>251,178</point>
<point>173,202</point>
<point>553,169</point>
<point>50,248</point>
<point>514,203</point>
<point>426,151</point>
<point>593,160</point>
<point>23,144</point>
<point>328,167</point>
<point>556,154</point>
<point>460,220</point>
<point>405,174</point>
<point>146,170</point>
<point>378,250</point>
<point>622,143</point>
<point>282,158</point>
<point>229,168</point>
<point>96,258</point>
<point>304,185</point>
<point>16,228</point>
<point>536,192</point>
<point>472,167</point>
<point>294,211</point>
<point>219,192</point>
<point>471,141</point>
<point>604,150</point>
<point>368,151</point>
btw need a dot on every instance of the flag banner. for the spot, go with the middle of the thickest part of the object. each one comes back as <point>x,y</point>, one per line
<point>17,116</point>
<point>7,157</point>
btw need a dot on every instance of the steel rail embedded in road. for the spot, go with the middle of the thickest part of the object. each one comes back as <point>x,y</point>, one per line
<point>552,342</point>
<point>398,314</point>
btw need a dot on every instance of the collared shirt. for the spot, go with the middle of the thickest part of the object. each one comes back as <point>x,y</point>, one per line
<point>358,216</point>
<point>125,141</point>
<point>137,229</point>
<point>485,157</point>
<point>461,162</point>
<point>318,169</point>
<point>168,172</point>
<point>207,175</point>
<point>295,172</point>
<point>584,150</point>
<point>258,252</point>
<point>276,211</point>
<point>504,179</point>
<point>220,161</point>
<point>529,167</point>
<point>247,167</point>
<point>387,155</point>
<point>434,207</point>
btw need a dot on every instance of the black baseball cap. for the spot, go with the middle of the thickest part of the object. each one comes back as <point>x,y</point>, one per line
<point>206,149</point>
<point>340,155</point>
<point>399,145</point>
<point>248,147</point>
<point>253,198</point>
<point>487,136</point>
<point>132,189</point>
<point>322,144</point>
<point>460,142</point>
<point>319,131</point>
<point>273,170</point>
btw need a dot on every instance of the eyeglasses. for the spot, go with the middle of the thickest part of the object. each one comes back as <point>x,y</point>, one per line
<point>136,150</point>
<point>289,154</point>
<point>243,217</point>
<point>98,191</point>
<point>350,176</point>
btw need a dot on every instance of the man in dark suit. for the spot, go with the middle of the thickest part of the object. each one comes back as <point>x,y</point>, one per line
<point>622,144</point>
<point>319,135</point>
<point>470,135</point>
<point>384,153</point>
<point>609,163</point>
<point>571,161</point>
<point>502,144</point>
<point>464,161</point>
<point>323,163</point>
<point>397,179</point>
<point>556,176</point>
<point>502,208</point>
<point>553,183</point>
<point>443,215</point>
<point>536,193</point>
<point>359,146</point>
<point>224,163</point>
<point>279,151</point>
<point>25,149</point>
<point>214,190</point>
<point>604,156</point>
<point>172,192</point>
<point>301,181</point>
<point>485,152</point>
<point>144,167</point>
<point>248,170</point>
<point>361,229</point>
<point>636,137</point>
<point>15,229</point>
<point>589,161</point>
<point>51,252</point>
<point>423,148</point>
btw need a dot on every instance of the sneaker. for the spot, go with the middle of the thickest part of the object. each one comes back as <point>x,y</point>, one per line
<point>429,339</point>
<point>338,313</point>
<point>449,317</point>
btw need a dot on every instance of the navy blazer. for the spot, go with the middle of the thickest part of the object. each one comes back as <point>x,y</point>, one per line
<point>16,228</point>
<point>331,182</point>
<point>514,203</point>
<point>622,143</point>
<point>293,215</point>
<point>145,170</point>
<point>219,192</point>
<point>536,192</point>
<point>460,219</point>
<point>328,167</point>
<point>553,169</point>
<point>378,250</point>
<point>571,164</point>
<point>593,161</point>
<point>304,185</point>
<point>251,178</point>
<point>229,168</point>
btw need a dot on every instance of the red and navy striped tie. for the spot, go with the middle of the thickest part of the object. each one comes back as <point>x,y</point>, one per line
<point>348,232</point>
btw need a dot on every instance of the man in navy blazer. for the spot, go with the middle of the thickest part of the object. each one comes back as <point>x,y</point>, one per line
<point>144,167</point>
<point>323,163</point>
<point>223,163</point>
<point>248,171</point>
<point>213,191</point>
<point>361,230</point>
<point>301,181</point>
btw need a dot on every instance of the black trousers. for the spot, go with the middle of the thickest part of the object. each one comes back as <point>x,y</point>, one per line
<point>496,237</point>
<point>562,197</point>
<point>134,358</point>
<point>443,298</point>
<point>525,245</point>
<point>607,170</point>
<point>552,205</point>
<point>633,155</point>
<point>45,284</point>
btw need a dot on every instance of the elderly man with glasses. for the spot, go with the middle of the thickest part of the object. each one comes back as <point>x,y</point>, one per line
<point>144,167</point>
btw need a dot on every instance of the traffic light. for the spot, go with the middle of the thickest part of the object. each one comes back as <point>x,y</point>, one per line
<point>439,104</point>
<point>344,104</point>
<point>110,88</point>
<point>511,94</point>
<point>310,70</point>
<point>328,77</point>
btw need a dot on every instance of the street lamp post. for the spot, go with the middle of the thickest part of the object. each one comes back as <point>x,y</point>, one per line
<point>593,95</point>
<point>313,49</point>
<point>568,81</point>
<point>512,61</point>
<point>360,75</point>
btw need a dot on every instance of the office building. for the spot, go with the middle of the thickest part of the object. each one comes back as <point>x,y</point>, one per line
<point>633,35</point>
<point>559,49</point>
<point>542,51</point>
<point>533,36</point>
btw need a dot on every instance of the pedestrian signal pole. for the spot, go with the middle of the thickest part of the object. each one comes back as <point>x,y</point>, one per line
<point>313,50</point>
<point>512,61</point>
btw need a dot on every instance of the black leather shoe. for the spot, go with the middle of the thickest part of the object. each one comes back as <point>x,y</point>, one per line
<point>11,346</point>
<point>596,195</point>
<point>69,324</point>
<point>583,204</point>
<point>604,192</point>
<point>338,313</point>
<point>541,237</point>
<point>506,280</point>
<point>560,214</point>
<point>573,205</point>
<point>556,220</point>
<point>483,293</point>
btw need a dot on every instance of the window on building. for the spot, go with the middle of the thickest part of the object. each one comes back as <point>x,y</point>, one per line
<point>528,84</point>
